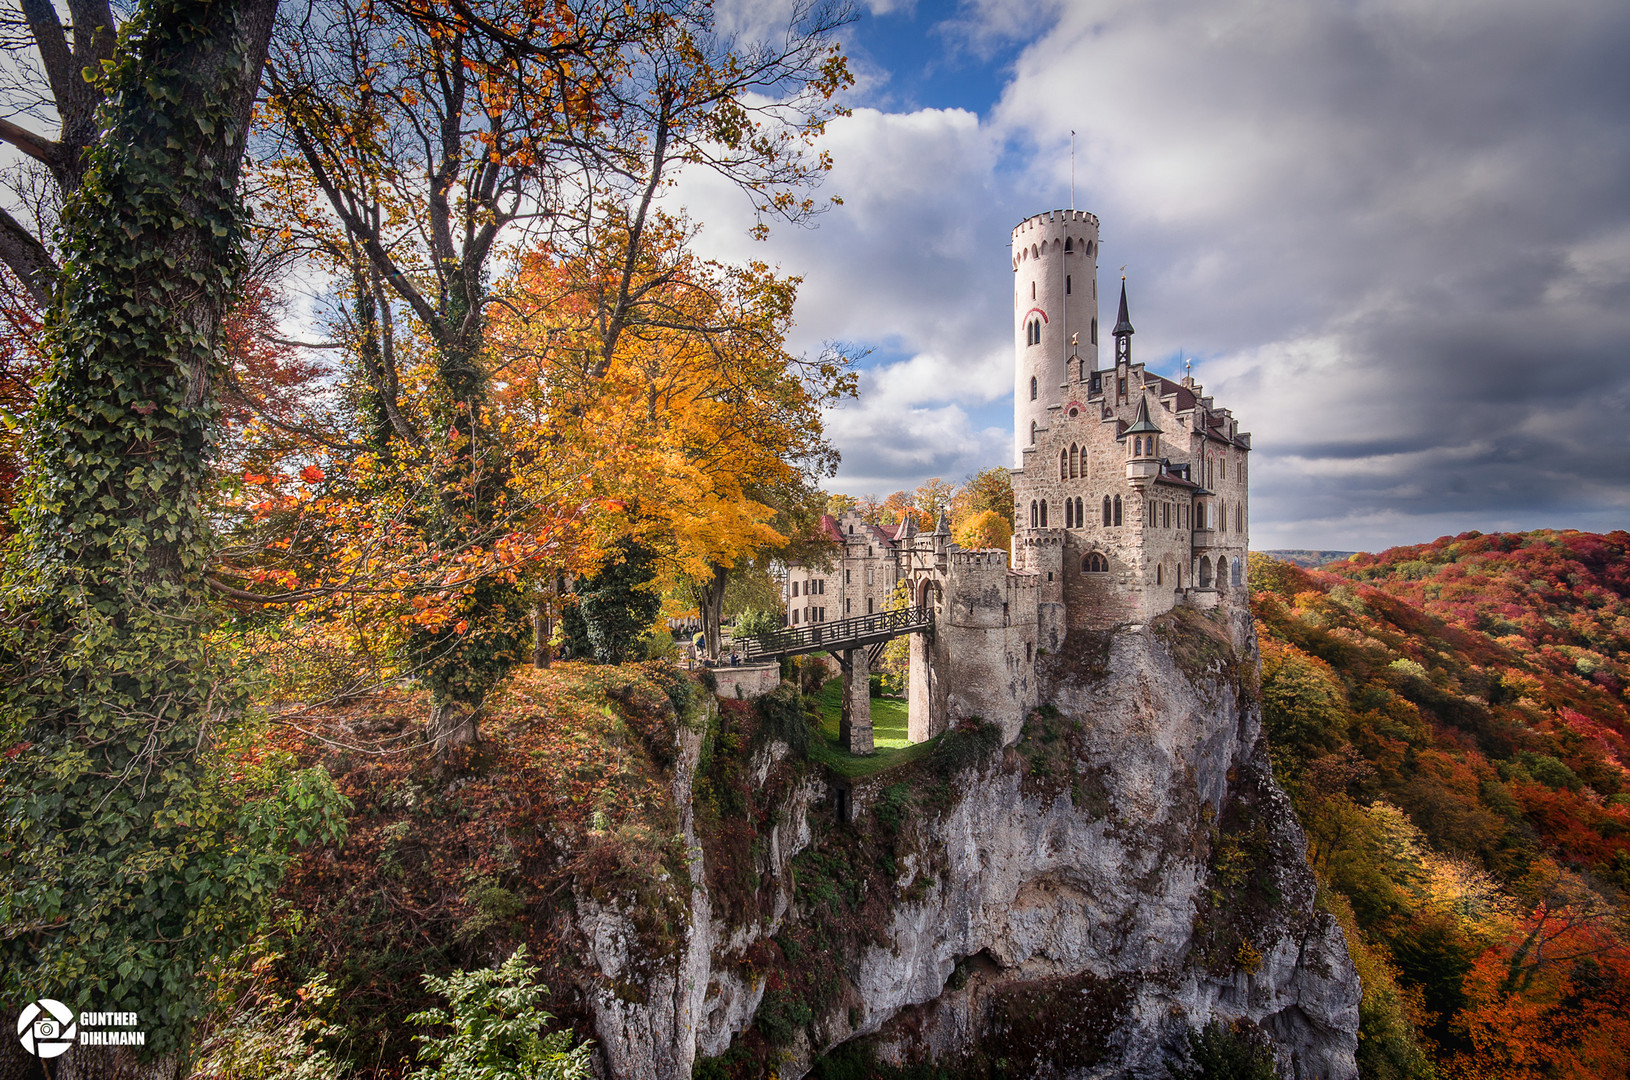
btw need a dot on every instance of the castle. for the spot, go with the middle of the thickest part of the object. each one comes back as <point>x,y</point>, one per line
<point>1131,495</point>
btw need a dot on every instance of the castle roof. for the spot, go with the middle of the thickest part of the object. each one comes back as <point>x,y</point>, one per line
<point>1141,424</point>
<point>1177,481</point>
<point>1124,325</point>
<point>878,534</point>
<point>829,526</point>
<point>907,529</point>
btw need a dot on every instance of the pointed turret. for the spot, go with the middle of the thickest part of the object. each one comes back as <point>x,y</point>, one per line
<point>1141,424</point>
<point>1123,331</point>
<point>1142,446</point>
<point>907,530</point>
<point>943,526</point>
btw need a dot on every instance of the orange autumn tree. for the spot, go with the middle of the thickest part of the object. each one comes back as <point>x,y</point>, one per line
<point>1551,997</point>
<point>425,142</point>
<point>702,431</point>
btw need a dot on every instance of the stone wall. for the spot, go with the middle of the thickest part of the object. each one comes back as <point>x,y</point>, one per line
<point>747,680</point>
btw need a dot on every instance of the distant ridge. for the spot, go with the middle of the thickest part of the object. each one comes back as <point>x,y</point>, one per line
<point>1307,559</point>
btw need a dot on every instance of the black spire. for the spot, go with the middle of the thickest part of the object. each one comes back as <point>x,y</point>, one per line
<point>1124,326</point>
<point>1123,331</point>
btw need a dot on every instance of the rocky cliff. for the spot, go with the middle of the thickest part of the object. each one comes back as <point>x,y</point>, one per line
<point>1070,904</point>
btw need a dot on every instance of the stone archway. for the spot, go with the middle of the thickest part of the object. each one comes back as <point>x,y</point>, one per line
<point>925,703</point>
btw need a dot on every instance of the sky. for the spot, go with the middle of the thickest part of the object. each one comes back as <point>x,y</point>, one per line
<point>1393,237</point>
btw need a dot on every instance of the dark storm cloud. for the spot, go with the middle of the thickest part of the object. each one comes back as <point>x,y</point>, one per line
<point>1398,234</point>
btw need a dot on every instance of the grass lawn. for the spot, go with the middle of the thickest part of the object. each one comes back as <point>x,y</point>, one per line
<point>888,735</point>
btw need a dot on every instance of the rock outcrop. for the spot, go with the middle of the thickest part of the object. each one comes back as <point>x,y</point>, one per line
<point>1071,904</point>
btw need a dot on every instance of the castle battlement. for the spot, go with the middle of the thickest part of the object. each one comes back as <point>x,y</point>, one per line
<point>1055,217</point>
<point>978,559</point>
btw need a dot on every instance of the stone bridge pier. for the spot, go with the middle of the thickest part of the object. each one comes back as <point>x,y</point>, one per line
<point>855,726</point>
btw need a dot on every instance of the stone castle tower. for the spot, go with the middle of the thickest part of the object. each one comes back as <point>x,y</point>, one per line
<point>1055,313</point>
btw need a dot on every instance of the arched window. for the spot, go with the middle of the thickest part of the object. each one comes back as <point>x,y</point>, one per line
<point>1069,243</point>
<point>1034,514</point>
<point>1235,573</point>
<point>1080,515</point>
<point>1044,513</point>
<point>1063,464</point>
<point>1094,337</point>
<point>1075,461</point>
<point>1117,509</point>
<point>1032,388</point>
<point>1032,432</point>
<point>1071,519</point>
<point>1089,249</point>
<point>1137,446</point>
<point>1093,562</point>
<point>1108,520</point>
<point>1160,574</point>
<point>1205,572</point>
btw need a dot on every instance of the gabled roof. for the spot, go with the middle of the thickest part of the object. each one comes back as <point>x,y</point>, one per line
<point>829,526</point>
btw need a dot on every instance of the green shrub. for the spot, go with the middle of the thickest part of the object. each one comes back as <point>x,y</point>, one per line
<point>1238,1051</point>
<point>781,716</point>
<point>966,746</point>
<point>497,1029</point>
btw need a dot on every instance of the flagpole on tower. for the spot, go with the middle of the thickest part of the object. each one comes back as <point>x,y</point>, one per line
<point>1072,168</point>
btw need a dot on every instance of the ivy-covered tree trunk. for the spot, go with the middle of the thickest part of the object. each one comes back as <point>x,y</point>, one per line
<point>463,661</point>
<point>123,866</point>
<point>710,603</point>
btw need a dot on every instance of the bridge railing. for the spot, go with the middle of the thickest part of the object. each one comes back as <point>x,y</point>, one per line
<point>850,633</point>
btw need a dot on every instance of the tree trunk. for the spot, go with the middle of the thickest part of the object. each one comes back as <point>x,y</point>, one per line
<point>710,604</point>
<point>453,724</point>
<point>114,1063</point>
<point>541,627</point>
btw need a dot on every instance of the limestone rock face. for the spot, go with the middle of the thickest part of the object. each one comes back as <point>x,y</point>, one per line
<point>1076,901</point>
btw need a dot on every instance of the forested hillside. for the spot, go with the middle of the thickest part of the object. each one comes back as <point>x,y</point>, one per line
<point>1451,721</point>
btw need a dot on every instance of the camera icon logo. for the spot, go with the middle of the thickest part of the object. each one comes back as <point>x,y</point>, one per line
<point>46,1028</point>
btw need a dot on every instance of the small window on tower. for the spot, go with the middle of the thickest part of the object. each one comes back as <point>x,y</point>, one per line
<point>1032,290</point>
<point>1094,338</point>
<point>1032,388</point>
<point>1066,284</point>
<point>1069,243</point>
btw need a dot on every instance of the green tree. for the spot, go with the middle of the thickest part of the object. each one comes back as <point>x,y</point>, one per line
<point>618,604</point>
<point>497,1023</point>
<point>130,858</point>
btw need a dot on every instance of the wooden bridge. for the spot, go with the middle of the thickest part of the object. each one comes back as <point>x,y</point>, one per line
<point>856,642</point>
